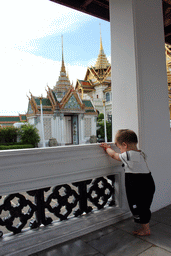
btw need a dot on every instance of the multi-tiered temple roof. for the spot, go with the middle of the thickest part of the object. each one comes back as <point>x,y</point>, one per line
<point>62,98</point>
<point>102,62</point>
<point>100,74</point>
<point>63,84</point>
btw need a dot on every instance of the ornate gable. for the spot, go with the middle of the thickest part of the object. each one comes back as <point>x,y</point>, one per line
<point>34,107</point>
<point>30,109</point>
<point>52,98</point>
<point>97,76</point>
<point>72,101</point>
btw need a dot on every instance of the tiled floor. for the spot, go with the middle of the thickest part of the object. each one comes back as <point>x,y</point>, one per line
<point>118,240</point>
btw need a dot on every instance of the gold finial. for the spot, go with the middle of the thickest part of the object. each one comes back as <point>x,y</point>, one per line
<point>102,61</point>
<point>40,98</point>
<point>63,66</point>
<point>101,46</point>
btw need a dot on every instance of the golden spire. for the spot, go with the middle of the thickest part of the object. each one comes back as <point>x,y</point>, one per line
<point>63,65</point>
<point>102,62</point>
<point>101,46</point>
<point>63,82</point>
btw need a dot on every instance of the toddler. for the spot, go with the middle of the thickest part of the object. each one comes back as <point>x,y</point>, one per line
<point>139,182</point>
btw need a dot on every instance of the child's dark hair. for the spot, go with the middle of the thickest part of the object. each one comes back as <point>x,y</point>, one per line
<point>127,136</point>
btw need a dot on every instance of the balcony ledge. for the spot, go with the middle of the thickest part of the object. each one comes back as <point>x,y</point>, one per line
<point>36,169</point>
<point>46,237</point>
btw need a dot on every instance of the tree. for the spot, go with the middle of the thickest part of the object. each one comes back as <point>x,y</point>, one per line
<point>100,117</point>
<point>29,134</point>
<point>100,131</point>
<point>8,134</point>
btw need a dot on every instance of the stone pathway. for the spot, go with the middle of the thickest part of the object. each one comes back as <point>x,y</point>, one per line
<point>117,240</point>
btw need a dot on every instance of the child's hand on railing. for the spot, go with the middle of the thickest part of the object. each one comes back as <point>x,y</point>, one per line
<point>104,146</point>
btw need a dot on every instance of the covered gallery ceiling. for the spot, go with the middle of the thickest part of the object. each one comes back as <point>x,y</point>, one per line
<point>100,9</point>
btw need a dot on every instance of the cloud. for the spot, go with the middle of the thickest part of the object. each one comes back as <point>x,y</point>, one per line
<point>24,24</point>
<point>24,72</point>
<point>109,59</point>
<point>25,21</point>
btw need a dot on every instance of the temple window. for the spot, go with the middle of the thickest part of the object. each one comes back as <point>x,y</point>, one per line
<point>107,96</point>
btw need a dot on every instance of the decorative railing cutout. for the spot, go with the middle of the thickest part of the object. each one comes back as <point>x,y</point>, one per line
<point>44,206</point>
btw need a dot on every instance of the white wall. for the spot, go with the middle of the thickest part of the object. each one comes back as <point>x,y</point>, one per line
<point>139,84</point>
<point>31,120</point>
<point>81,129</point>
<point>93,125</point>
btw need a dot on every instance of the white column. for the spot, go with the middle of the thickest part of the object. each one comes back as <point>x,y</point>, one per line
<point>93,124</point>
<point>42,125</point>
<point>81,128</point>
<point>62,129</point>
<point>58,129</point>
<point>105,130</point>
<point>139,83</point>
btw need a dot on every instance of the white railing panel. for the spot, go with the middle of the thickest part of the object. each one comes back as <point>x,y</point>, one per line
<point>23,170</point>
<point>33,169</point>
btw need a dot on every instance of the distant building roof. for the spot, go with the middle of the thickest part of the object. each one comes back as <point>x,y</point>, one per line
<point>87,103</point>
<point>45,101</point>
<point>89,108</point>
<point>10,120</point>
<point>86,85</point>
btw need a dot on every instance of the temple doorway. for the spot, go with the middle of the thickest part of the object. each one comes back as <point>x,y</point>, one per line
<point>67,130</point>
<point>71,130</point>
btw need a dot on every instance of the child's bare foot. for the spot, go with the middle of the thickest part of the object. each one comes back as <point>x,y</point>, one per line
<point>137,231</point>
<point>144,231</point>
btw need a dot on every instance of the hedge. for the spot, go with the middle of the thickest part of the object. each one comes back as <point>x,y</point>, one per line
<point>2,147</point>
<point>13,143</point>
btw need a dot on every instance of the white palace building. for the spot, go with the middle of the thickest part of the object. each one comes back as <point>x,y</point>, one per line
<point>66,117</point>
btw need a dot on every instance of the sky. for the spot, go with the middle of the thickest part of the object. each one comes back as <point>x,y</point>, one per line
<point>31,51</point>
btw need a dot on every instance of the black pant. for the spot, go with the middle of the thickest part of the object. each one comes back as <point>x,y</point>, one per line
<point>140,189</point>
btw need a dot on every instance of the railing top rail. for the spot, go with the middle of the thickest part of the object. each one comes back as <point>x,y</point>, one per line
<point>31,169</point>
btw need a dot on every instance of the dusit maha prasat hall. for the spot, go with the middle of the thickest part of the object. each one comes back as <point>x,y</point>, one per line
<point>66,117</point>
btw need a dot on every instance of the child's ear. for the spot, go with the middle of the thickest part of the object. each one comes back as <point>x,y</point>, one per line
<point>124,144</point>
